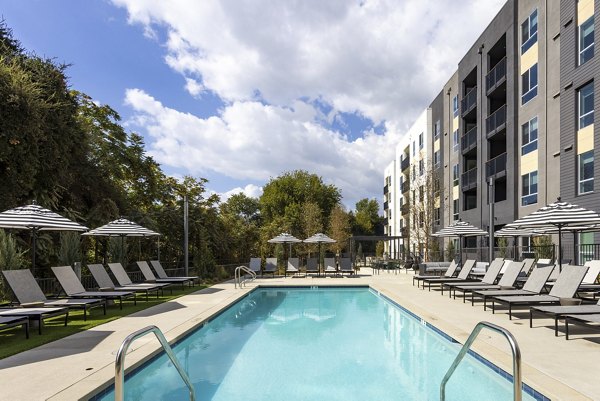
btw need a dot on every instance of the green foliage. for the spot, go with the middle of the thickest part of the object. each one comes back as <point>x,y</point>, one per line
<point>503,247</point>
<point>10,256</point>
<point>435,255</point>
<point>70,248</point>
<point>450,251</point>
<point>117,250</point>
<point>366,217</point>
<point>379,249</point>
<point>339,228</point>
<point>544,247</point>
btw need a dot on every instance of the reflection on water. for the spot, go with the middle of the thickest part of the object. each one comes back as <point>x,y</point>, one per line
<point>314,344</point>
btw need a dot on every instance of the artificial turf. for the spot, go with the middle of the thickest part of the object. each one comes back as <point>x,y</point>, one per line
<point>13,341</point>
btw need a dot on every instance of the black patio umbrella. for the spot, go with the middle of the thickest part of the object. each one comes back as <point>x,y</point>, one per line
<point>460,229</point>
<point>36,218</point>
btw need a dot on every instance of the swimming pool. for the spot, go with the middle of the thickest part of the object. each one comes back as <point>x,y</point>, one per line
<point>315,344</point>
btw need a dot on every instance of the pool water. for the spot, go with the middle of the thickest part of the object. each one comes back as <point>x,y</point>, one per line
<point>316,344</point>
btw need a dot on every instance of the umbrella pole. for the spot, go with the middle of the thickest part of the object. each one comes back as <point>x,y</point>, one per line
<point>559,248</point>
<point>33,246</point>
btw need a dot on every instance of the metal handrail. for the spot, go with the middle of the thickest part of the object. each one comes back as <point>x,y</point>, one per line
<point>515,351</point>
<point>237,276</point>
<point>120,361</point>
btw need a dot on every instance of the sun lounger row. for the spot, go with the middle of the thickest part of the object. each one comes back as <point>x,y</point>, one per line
<point>293,266</point>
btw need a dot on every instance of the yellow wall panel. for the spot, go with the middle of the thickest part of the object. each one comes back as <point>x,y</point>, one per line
<point>585,139</point>
<point>436,202</point>
<point>455,124</point>
<point>585,9</point>
<point>529,162</point>
<point>455,193</point>
<point>436,145</point>
<point>529,58</point>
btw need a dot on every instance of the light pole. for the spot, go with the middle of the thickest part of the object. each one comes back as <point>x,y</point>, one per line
<point>185,235</point>
<point>491,224</point>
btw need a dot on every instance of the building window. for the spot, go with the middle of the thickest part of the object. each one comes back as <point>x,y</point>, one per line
<point>529,32</point>
<point>586,172</point>
<point>436,159</point>
<point>455,105</point>
<point>420,141</point>
<point>529,83</point>
<point>586,40</point>
<point>455,174</point>
<point>421,219</point>
<point>586,105</point>
<point>421,194</point>
<point>436,216</point>
<point>530,188</point>
<point>436,130</point>
<point>529,136</point>
<point>455,140</point>
<point>421,167</point>
<point>414,149</point>
<point>586,247</point>
<point>455,208</point>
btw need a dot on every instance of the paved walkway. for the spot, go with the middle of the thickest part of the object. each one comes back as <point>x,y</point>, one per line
<point>72,368</point>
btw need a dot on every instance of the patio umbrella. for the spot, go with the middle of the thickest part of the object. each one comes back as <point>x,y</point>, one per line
<point>319,238</point>
<point>514,233</point>
<point>285,238</point>
<point>36,218</point>
<point>559,215</point>
<point>460,229</point>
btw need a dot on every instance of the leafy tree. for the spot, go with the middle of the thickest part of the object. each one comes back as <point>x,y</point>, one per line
<point>366,217</point>
<point>339,228</point>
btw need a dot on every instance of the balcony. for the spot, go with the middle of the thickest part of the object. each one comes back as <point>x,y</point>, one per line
<point>496,167</point>
<point>405,163</point>
<point>496,76</point>
<point>404,209</point>
<point>386,189</point>
<point>469,140</point>
<point>385,205</point>
<point>404,232</point>
<point>468,180</point>
<point>468,102</point>
<point>496,122</point>
<point>404,187</point>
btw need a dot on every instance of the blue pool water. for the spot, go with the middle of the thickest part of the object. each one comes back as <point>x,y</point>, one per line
<point>316,344</point>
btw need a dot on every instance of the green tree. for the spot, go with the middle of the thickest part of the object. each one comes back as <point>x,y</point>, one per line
<point>339,228</point>
<point>366,217</point>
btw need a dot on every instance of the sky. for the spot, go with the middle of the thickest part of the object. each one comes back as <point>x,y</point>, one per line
<point>241,91</point>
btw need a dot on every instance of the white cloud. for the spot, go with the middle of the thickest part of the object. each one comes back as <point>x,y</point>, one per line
<point>250,190</point>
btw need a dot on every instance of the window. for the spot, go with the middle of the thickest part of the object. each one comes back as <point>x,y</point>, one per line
<point>436,216</point>
<point>436,159</point>
<point>455,140</point>
<point>586,247</point>
<point>414,173</point>
<point>421,194</point>
<point>529,136</point>
<point>455,105</point>
<point>586,105</point>
<point>529,32</point>
<point>586,40</point>
<point>414,149</point>
<point>529,82</point>
<point>436,130</point>
<point>586,172</point>
<point>530,189</point>
<point>420,141</point>
<point>455,208</point>
<point>421,218</point>
<point>455,174</point>
<point>421,167</point>
<point>436,186</point>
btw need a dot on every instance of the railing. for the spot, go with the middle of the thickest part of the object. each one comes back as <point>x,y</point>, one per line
<point>469,179</point>
<point>385,205</point>
<point>404,187</point>
<point>496,165</point>
<point>495,121</point>
<point>495,76</point>
<point>120,361</point>
<point>469,139</point>
<point>238,276</point>
<point>516,353</point>
<point>469,101</point>
<point>386,189</point>
<point>404,209</point>
<point>405,163</point>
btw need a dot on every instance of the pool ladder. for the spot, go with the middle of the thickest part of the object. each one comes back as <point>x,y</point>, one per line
<point>238,276</point>
<point>516,353</point>
<point>120,361</point>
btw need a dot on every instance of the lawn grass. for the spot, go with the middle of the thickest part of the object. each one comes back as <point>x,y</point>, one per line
<point>13,341</point>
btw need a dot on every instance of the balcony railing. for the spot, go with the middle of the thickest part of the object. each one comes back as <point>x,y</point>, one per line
<point>404,231</point>
<point>469,139</point>
<point>404,208</point>
<point>496,122</point>
<point>496,166</point>
<point>404,187</point>
<point>496,76</point>
<point>468,179</point>
<point>469,101</point>
<point>405,163</point>
<point>385,205</point>
<point>386,189</point>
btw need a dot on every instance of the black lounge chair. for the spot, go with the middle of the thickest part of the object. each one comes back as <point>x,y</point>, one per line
<point>346,266</point>
<point>585,320</point>
<point>73,288</point>
<point>123,279</point>
<point>7,322</point>
<point>151,278</point>
<point>28,293</point>
<point>462,276</point>
<point>329,266</point>
<point>254,265</point>
<point>293,266</point>
<point>105,282</point>
<point>559,311</point>
<point>38,314</point>
<point>270,266</point>
<point>162,274</point>
<point>312,266</point>
<point>489,278</point>
<point>450,271</point>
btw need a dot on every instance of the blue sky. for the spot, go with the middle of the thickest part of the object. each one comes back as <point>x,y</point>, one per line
<point>241,91</point>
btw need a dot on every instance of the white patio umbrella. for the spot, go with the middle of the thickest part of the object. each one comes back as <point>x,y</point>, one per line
<point>285,238</point>
<point>514,233</point>
<point>36,218</point>
<point>460,229</point>
<point>319,238</point>
<point>559,215</point>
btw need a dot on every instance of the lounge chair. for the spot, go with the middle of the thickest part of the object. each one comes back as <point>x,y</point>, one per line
<point>462,276</point>
<point>293,266</point>
<point>151,278</point>
<point>255,265</point>
<point>589,281</point>
<point>346,266</point>
<point>558,311</point>
<point>586,320</point>
<point>271,266</point>
<point>105,282</point>
<point>452,269</point>
<point>508,279</point>
<point>123,279</point>
<point>312,266</point>
<point>162,274</point>
<point>73,288</point>
<point>28,293</point>
<point>533,286</point>
<point>565,287</point>
<point>7,322</point>
<point>489,278</point>
<point>38,314</point>
<point>329,266</point>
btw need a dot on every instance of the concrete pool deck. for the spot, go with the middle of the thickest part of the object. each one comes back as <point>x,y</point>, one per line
<point>74,367</point>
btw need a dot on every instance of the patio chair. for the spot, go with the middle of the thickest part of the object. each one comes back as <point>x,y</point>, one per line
<point>452,269</point>
<point>293,266</point>
<point>589,281</point>
<point>559,311</point>
<point>346,266</point>
<point>162,274</point>
<point>7,322</point>
<point>565,287</point>
<point>508,279</point>
<point>106,284</point>
<point>489,278</point>
<point>312,266</point>
<point>151,278</point>
<point>73,288</point>
<point>270,266</point>
<point>37,314</point>
<point>462,276</point>
<point>533,286</point>
<point>123,279</point>
<point>255,265</point>
<point>585,320</point>
<point>329,266</point>
<point>28,293</point>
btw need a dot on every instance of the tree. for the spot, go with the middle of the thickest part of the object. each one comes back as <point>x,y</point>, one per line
<point>312,223</point>
<point>366,217</point>
<point>339,228</point>
<point>241,219</point>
